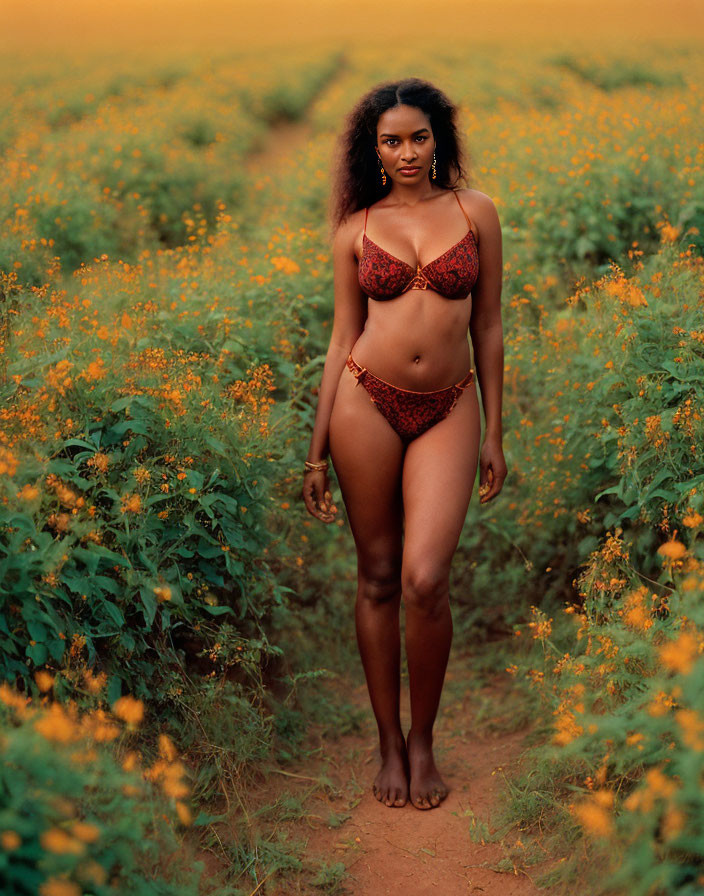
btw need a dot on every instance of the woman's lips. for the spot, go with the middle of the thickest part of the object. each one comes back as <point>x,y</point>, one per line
<point>408,170</point>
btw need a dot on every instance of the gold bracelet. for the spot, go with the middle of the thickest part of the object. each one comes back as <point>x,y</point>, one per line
<point>316,466</point>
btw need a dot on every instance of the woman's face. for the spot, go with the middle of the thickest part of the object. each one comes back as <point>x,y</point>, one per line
<point>404,139</point>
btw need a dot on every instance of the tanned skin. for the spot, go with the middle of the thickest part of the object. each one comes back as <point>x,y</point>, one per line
<point>406,507</point>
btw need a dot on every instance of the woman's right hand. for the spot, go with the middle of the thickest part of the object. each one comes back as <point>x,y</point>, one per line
<point>317,495</point>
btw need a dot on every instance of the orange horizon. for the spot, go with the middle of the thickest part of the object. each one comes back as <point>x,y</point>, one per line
<point>168,26</point>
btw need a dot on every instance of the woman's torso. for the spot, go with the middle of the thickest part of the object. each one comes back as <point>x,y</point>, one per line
<point>419,339</point>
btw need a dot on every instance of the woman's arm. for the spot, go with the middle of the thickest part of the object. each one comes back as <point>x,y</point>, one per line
<point>350,313</point>
<point>486,330</point>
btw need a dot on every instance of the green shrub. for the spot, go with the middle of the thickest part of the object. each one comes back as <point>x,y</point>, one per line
<point>75,819</point>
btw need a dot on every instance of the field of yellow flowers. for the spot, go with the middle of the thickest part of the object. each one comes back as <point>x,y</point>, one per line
<point>167,619</point>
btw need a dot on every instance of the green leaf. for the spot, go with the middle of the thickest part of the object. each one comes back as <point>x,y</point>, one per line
<point>108,584</point>
<point>37,653</point>
<point>203,819</point>
<point>56,647</point>
<point>149,603</point>
<point>114,690</point>
<point>37,632</point>
<point>217,611</point>
<point>114,612</point>
<point>81,443</point>
<point>89,558</point>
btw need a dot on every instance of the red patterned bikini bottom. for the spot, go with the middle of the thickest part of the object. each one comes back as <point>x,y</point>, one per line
<point>410,413</point>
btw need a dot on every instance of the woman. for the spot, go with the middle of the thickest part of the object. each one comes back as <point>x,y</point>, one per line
<point>405,446</point>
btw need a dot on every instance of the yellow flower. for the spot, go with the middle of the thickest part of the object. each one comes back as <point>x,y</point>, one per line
<point>183,812</point>
<point>86,832</point>
<point>94,683</point>
<point>8,462</point>
<point>662,702</point>
<point>58,841</point>
<point>10,840</point>
<point>672,549</point>
<point>44,680</point>
<point>635,613</point>
<point>626,291</point>
<point>166,747</point>
<point>668,233</point>
<point>287,265</point>
<point>93,871</point>
<point>104,731</point>
<point>94,371</point>
<point>131,761</point>
<point>100,461</point>
<point>692,726</point>
<point>679,655</point>
<point>594,815</point>
<point>656,785</point>
<point>131,504</point>
<point>11,698</point>
<point>56,725</point>
<point>129,709</point>
<point>566,729</point>
<point>673,823</point>
<point>172,784</point>
<point>59,886</point>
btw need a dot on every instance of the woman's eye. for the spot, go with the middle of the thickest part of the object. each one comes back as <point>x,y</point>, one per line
<point>393,140</point>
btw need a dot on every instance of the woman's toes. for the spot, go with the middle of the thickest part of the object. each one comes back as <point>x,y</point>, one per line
<point>400,799</point>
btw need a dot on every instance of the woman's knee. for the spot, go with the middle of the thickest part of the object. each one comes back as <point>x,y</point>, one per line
<point>380,581</point>
<point>425,588</point>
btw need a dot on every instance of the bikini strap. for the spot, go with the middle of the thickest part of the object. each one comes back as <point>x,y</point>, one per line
<point>469,224</point>
<point>365,219</point>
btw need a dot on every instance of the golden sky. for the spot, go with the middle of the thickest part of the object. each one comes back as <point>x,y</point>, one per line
<point>168,26</point>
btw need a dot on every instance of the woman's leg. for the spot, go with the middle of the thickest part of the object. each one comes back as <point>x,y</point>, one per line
<point>438,476</point>
<point>367,455</point>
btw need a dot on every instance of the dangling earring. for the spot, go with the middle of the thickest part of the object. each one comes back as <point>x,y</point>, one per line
<point>383,173</point>
<point>434,171</point>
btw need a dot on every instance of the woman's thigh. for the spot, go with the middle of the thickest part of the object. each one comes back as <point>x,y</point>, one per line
<point>367,455</point>
<point>439,471</point>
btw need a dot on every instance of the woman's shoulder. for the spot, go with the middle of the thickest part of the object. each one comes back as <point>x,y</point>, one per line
<point>475,199</point>
<point>349,228</point>
<point>351,221</point>
<point>481,210</point>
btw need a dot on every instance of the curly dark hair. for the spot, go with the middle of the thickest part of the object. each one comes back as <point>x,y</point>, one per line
<point>357,182</point>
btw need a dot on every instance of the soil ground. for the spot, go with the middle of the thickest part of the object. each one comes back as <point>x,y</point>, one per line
<point>456,848</point>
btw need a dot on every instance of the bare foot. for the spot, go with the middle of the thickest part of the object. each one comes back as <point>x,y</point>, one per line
<point>428,789</point>
<point>391,784</point>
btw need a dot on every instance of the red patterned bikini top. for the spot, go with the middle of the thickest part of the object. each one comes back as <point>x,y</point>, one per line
<point>453,274</point>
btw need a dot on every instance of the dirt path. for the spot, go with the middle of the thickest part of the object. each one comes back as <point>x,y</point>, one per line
<point>454,848</point>
<point>276,158</point>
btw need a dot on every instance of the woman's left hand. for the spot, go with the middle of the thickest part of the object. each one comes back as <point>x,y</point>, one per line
<point>492,469</point>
